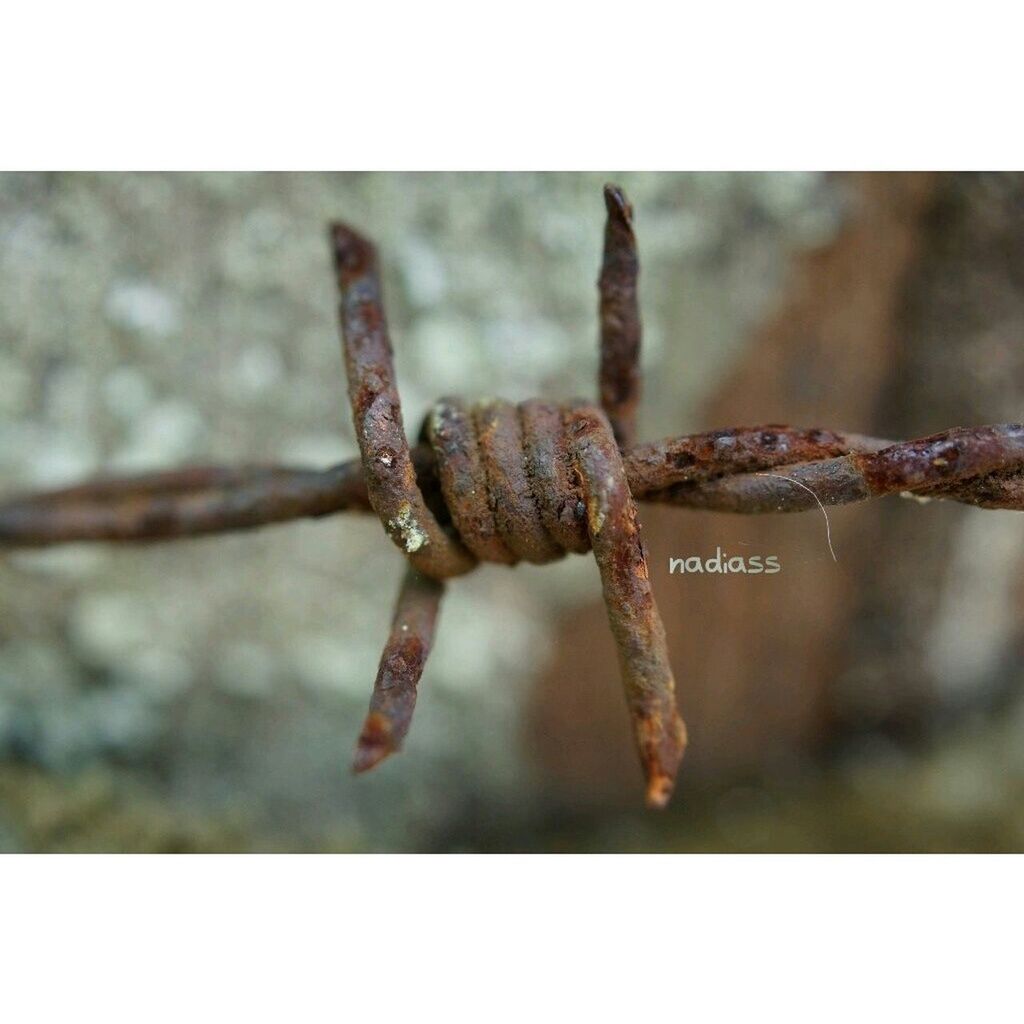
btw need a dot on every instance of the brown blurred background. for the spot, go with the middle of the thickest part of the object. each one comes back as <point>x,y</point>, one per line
<point>206,695</point>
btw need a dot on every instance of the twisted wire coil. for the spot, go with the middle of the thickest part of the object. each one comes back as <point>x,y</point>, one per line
<point>525,482</point>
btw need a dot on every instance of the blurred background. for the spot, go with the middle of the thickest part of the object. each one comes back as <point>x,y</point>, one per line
<point>206,695</point>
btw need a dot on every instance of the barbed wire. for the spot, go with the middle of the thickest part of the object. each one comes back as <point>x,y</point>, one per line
<point>496,482</point>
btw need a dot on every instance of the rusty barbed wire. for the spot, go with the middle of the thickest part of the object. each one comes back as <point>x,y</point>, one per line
<point>497,482</point>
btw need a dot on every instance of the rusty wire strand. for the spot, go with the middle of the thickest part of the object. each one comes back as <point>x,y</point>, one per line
<point>496,482</point>
<point>713,470</point>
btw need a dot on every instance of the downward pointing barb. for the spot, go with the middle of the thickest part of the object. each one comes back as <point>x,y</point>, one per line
<point>401,665</point>
<point>376,742</point>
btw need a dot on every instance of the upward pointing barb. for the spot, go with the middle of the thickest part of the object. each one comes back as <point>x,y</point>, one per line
<point>353,254</point>
<point>377,415</point>
<point>618,206</point>
<point>619,313</point>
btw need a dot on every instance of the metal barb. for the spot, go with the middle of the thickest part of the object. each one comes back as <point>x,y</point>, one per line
<point>401,665</point>
<point>619,314</point>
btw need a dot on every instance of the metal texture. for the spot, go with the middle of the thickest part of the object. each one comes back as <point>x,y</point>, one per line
<point>619,313</point>
<point>503,483</point>
<point>377,415</point>
<point>401,665</point>
<point>635,623</point>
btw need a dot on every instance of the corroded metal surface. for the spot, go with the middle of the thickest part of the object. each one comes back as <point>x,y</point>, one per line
<point>451,430</point>
<point>401,665</point>
<point>377,415</point>
<point>701,457</point>
<point>619,314</point>
<point>503,483</point>
<point>721,470</point>
<point>510,491</point>
<point>635,623</point>
<point>181,503</point>
<point>942,459</point>
<point>981,466</point>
